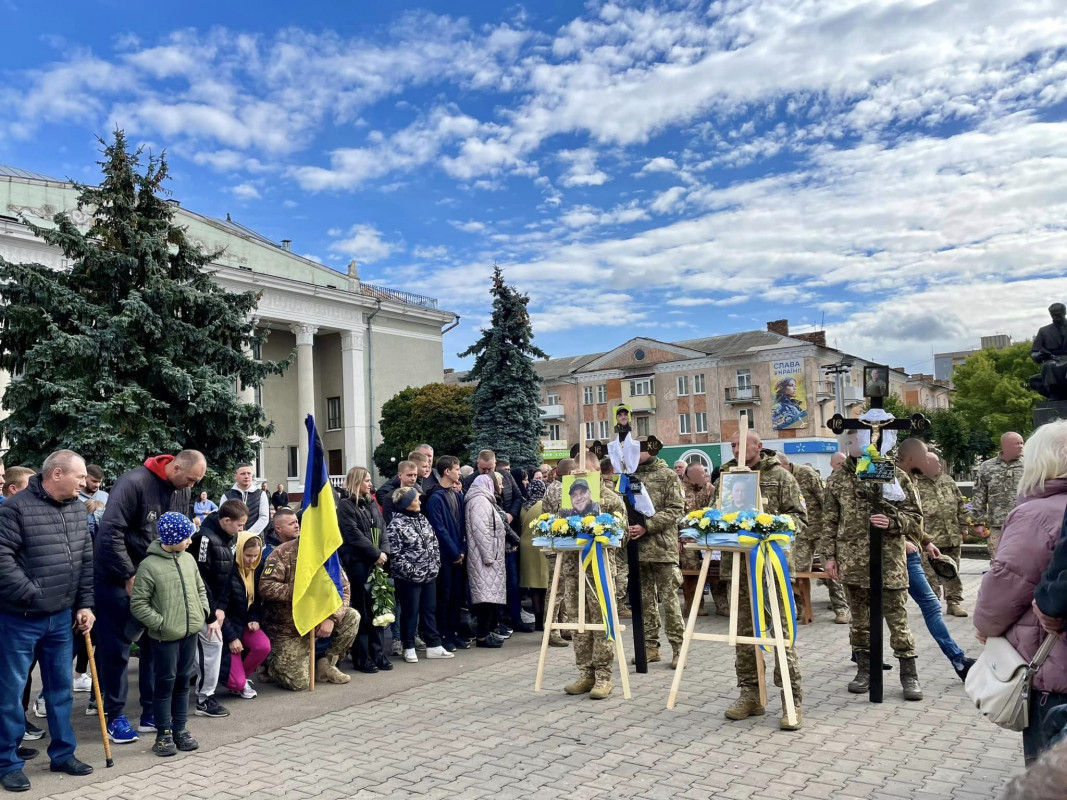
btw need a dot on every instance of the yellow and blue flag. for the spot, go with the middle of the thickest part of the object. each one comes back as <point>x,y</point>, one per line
<point>317,588</point>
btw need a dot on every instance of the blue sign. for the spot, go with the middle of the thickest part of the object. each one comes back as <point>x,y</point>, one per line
<point>809,447</point>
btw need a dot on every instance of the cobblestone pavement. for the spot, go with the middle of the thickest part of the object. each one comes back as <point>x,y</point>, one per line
<point>484,732</point>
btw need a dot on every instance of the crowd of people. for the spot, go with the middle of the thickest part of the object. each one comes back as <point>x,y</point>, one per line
<point>202,591</point>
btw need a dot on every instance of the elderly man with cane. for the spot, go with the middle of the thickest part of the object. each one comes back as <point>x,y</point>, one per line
<point>46,589</point>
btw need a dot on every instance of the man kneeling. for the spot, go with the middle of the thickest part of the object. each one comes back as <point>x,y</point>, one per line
<point>289,660</point>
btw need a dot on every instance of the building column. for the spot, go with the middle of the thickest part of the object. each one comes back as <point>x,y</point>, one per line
<point>305,387</point>
<point>354,400</point>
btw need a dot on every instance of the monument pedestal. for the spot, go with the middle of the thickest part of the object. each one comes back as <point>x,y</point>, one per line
<point>1049,411</point>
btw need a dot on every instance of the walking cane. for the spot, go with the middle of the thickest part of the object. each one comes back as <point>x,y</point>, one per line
<point>99,701</point>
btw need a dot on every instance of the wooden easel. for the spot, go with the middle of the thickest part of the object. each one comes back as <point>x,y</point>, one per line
<point>582,626</point>
<point>778,641</point>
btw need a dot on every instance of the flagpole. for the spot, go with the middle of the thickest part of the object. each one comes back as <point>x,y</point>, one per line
<point>311,666</point>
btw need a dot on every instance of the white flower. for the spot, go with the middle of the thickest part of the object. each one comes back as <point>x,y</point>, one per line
<point>383,620</point>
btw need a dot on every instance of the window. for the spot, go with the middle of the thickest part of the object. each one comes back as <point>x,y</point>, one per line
<point>294,462</point>
<point>587,395</point>
<point>702,421</point>
<point>333,413</point>
<point>642,426</point>
<point>589,432</point>
<point>698,458</point>
<point>683,385</point>
<point>602,393</point>
<point>602,429</point>
<point>257,398</point>
<point>744,383</point>
<point>698,383</point>
<point>553,431</point>
<point>683,423</point>
<point>553,398</point>
<point>257,351</point>
<point>641,387</point>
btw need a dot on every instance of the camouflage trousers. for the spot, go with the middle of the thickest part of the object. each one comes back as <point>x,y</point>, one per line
<point>622,574</point>
<point>289,659</point>
<point>803,555</point>
<point>660,582</point>
<point>746,655</point>
<point>593,654</point>
<point>993,541</point>
<point>954,587</point>
<point>896,617</point>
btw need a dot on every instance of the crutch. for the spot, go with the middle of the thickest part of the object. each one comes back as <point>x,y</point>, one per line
<point>99,701</point>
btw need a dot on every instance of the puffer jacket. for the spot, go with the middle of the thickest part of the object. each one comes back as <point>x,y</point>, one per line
<point>168,596</point>
<point>46,554</point>
<point>213,550</point>
<point>416,556</point>
<point>1030,534</point>
<point>486,533</point>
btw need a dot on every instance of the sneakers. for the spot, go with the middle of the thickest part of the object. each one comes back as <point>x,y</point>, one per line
<point>33,733</point>
<point>211,708</point>
<point>247,693</point>
<point>503,631</point>
<point>961,671</point>
<point>438,652</point>
<point>460,644</point>
<point>492,640</point>
<point>90,711</point>
<point>526,617</point>
<point>82,683</point>
<point>410,656</point>
<point>419,643</point>
<point>398,648</point>
<point>39,708</point>
<point>147,724</point>
<point>164,745</point>
<point>184,741</point>
<point>120,732</point>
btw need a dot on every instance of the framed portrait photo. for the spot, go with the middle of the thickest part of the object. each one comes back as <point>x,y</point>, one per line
<point>581,494</point>
<point>875,381</point>
<point>740,492</point>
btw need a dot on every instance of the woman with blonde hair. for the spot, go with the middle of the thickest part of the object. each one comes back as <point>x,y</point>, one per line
<point>364,546</point>
<point>1006,600</point>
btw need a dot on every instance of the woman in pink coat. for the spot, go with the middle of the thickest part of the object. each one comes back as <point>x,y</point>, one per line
<point>1005,601</point>
<point>486,571</point>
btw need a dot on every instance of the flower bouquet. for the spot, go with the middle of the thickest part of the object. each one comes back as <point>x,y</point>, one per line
<point>561,533</point>
<point>711,527</point>
<point>383,596</point>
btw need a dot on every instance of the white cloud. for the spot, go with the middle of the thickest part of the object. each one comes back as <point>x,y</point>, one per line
<point>245,191</point>
<point>582,169</point>
<point>659,164</point>
<point>436,252</point>
<point>365,244</point>
<point>470,226</point>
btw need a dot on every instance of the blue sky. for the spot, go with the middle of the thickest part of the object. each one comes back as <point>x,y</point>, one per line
<point>894,171</point>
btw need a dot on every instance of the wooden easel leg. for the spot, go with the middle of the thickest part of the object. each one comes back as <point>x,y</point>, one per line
<point>581,592</point>
<point>761,669</point>
<point>687,637</point>
<point>735,596</point>
<point>550,624</point>
<point>780,648</point>
<point>620,653</point>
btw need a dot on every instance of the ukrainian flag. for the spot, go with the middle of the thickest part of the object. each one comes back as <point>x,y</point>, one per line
<point>317,590</point>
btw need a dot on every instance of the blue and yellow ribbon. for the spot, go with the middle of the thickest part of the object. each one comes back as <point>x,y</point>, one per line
<point>767,548</point>
<point>593,558</point>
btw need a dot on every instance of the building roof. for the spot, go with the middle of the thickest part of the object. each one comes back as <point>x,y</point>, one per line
<point>735,344</point>
<point>14,172</point>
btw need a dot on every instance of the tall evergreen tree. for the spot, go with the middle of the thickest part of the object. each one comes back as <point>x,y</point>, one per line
<point>506,414</point>
<point>134,350</point>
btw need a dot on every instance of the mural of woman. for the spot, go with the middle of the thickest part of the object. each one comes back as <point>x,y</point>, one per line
<point>786,412</point>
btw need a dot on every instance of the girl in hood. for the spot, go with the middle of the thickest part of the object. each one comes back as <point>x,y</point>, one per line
<point>249,645</point>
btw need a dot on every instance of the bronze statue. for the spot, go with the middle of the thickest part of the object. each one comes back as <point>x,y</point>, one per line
<point>1050,351</point>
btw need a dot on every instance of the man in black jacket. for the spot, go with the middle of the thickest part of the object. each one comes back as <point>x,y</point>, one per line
<point>126,529</point>
<point>407,474</point>
<point>46,587</point>
<point>212,547</point>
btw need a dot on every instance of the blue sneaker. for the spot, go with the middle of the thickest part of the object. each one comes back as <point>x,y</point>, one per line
<point>120,732</point>
<point>148,724</point>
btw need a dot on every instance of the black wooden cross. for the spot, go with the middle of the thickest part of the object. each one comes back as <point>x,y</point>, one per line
<point>917,423</point>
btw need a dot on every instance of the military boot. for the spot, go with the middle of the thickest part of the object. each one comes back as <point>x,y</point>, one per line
<point>326,670</point>
<point>674,658</point>
<point>651,655</point>
<point>585,683</point>
<point>909,679</point>
<point>747,705</point>
<point>555,640</point>
<point>842,617</point>
<point>784,723</point>
<point>862,682</point>
<point>956,610</point>
<point>603,685</point>
<point>625,613</point>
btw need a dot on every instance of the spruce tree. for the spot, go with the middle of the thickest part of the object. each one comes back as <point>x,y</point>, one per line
<point>506,414</point>
<point>134,350</point>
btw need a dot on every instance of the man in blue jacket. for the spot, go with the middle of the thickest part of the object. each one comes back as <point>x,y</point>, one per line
<point>444,509</point>
<point>46,588</point>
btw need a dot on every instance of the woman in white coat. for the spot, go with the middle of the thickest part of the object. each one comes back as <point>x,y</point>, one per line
<point>486,570</point>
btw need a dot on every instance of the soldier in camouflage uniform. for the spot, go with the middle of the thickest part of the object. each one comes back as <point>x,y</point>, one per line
<point>811,487</point>
<point>593,653</point>
<point>551,503</point>
<point>945,522</point>
<point>781,495</point>
<point>851,507</point>
<point>622,562</point>
<point>699,493</point>
<point>995,489</point>
<point>288,663</point>
<point>658,552</point>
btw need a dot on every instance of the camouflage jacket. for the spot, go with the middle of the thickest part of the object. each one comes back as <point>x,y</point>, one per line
<point>276,592</point>
<point>811,487</point>
<point>552,502</point>
<point>697,497</point>
<point>847,509</point>
<point>944,511</point>
<point>994,491</point>
<point>660,541</point>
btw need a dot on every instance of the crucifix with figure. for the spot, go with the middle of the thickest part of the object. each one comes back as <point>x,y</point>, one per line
<point>876,387</point>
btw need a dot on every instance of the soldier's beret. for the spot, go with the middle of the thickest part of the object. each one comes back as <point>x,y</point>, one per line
<point>945,567</point>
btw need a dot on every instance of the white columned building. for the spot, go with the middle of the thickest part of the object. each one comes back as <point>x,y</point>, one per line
<point>332,325</point>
